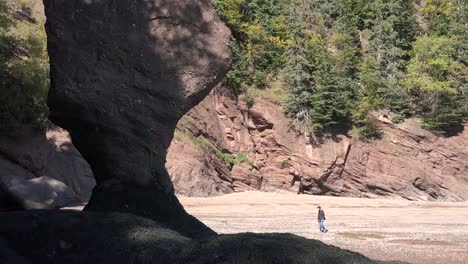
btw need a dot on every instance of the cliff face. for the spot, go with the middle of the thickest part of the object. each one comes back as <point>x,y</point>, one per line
<point>408,162</point>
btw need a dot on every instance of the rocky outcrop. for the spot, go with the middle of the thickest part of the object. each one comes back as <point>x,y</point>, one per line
<point>192,171</point>
<point>197,174</point>
<point>38,193</point>
<point>30,154</point>
<point>91,237</point>
<point>122,74</point>
<point>408,162</point>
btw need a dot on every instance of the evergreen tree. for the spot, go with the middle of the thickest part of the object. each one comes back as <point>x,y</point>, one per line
<point>436,81</point>
<point>343,60</point>
<point>392,32</point>
<point>320,80</point>
<point>259,30</point>
<point>437,73</point>
<point>299,67</point>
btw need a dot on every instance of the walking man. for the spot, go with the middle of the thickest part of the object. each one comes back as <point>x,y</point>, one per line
<point>321,218</point>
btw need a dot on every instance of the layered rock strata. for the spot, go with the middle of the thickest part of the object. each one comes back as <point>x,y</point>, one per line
<point>407,162</point>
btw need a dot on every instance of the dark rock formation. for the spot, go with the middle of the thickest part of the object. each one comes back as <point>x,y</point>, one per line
<point>91,237</point>
<point>38,193</point>
<point>7,201</point>
<point>30,154</point>
<point>122,74</point>
<point>408,162</point>
<point>87,237</point>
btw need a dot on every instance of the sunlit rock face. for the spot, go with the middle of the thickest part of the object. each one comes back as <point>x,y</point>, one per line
<point>122,74</point>
<point>407,162</point>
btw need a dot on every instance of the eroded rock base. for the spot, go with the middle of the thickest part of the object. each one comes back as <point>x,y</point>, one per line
<point>151,202</point>
<point>41,236</point>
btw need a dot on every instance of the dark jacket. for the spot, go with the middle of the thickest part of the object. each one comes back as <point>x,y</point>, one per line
<point>321,215</point>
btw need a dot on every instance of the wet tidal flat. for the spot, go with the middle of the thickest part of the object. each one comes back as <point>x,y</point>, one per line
<point>414,232</point>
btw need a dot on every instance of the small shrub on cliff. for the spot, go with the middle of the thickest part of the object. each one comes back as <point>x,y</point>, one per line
<point>182,137</point>
<point>206,145</point>
<point>365,124</point>
<point>285,160</point>
<point>242,158</point>
<point>397,118</point>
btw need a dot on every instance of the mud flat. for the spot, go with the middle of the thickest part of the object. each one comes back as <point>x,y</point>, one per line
<point>414,232</point>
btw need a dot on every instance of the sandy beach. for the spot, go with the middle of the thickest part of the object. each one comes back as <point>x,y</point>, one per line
<point>414,232</point>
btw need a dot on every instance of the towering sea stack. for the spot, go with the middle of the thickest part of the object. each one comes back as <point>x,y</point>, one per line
<point>122,74</point>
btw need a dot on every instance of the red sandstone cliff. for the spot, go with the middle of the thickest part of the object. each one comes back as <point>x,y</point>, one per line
<point>408,162</point>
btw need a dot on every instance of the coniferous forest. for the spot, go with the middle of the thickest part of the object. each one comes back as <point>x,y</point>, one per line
<point>331,63</point>
<point>340,61</point>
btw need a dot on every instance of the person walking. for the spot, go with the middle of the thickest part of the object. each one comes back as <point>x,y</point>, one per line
<point>321,218</point>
